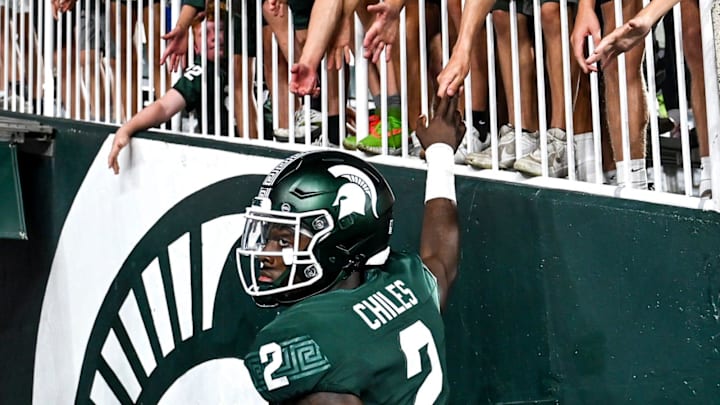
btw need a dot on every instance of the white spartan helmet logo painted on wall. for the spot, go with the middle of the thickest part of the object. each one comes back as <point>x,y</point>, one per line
<point>351,196</point>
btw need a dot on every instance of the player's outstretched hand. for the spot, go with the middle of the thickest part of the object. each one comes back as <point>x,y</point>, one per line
<point>121,140</point>
<point>446,126</point>
<point>304,80</point>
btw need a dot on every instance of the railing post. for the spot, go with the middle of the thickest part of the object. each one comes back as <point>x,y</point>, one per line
<point>710,21</point>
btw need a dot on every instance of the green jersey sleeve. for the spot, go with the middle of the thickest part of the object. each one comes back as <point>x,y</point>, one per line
<point>189,86</point>
<point>283,366</point>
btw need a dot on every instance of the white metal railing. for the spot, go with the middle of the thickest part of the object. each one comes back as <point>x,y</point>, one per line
<point>109,74</point>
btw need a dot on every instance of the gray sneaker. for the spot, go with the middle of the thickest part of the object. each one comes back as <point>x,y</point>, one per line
<point>556,153</point>
<point>506,149</point>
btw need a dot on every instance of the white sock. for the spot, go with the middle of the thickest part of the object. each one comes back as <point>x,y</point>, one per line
<point>638,174</point>
<point>705,188</point>
<point>611,177</point>
<point>584,157</point>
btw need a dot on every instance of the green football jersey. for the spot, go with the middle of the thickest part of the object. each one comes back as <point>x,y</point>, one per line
<point>190,87</point>
<point>383,341</point>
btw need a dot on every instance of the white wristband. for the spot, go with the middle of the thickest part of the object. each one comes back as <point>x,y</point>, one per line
<point>440,182</point>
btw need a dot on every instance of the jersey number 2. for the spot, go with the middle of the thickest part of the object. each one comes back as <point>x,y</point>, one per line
<point>412,339</point>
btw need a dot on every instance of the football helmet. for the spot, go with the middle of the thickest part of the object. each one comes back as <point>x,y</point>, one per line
<point>322,215</point>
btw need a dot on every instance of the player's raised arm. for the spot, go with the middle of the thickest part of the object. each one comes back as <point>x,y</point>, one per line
<point>440,239</point>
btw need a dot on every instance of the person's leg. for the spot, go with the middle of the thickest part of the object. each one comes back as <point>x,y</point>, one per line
<point>249,53</point>
<point>158,70</point>
<point>282,72</point>
<point>637,104</point>
<point>239,102</point>
<point>553,62</point>
<point>528,101</point>
<point>508,155</point>
<point>128,100</point>
<point>413,54</point>
<point>279,27</point>
<point>694,58</point>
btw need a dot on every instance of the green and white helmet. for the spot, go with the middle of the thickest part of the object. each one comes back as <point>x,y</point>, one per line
<point>342,203</point>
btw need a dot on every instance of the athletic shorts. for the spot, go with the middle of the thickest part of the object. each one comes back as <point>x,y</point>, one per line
<point>251,28</point>
<point>88,25</point>
<point>301,10</point>
<point>18,5</point>
<point>525,7</point>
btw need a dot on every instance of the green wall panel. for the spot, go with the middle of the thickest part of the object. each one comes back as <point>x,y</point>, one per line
<point>562,297</point>
<point>12,218</point>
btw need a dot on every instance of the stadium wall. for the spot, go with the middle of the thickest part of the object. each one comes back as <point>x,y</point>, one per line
<point>126,287</point>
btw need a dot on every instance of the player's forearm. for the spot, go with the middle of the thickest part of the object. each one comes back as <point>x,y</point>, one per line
<point>324,18</point>
<point>440,238</point>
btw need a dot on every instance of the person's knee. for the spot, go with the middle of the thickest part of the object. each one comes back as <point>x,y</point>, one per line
<point>550,17</point>
<point>501,21</point>
<point>301,38</point>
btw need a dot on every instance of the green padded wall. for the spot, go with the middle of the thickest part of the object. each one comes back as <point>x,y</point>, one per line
<point>12,218</point>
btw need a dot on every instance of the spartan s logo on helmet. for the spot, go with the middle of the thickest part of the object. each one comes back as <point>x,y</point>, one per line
<point>340,202</point>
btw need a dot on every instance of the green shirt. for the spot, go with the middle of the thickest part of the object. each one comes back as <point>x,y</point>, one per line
<point>190,87</point>
<point>383,341</point>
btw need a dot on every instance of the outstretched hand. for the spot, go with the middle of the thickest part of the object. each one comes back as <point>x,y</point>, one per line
<point>622,39</point>
<point>447,126</point>
<point>121,140</point>
<point>304,80</point>
<point>382,32</point>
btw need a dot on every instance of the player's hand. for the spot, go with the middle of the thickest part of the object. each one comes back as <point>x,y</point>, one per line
<point>382,32</point>
<point>304,80</point>
<point>121,140</point>
<point>450,80</point>
<point>176,50</point>
<point>586,23</point>
<point>446,126</point>
<point>622,39</point>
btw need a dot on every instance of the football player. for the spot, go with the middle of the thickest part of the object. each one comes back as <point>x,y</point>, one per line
<point>362,323</point>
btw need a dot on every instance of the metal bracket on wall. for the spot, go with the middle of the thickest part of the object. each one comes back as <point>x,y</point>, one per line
<point>30,136</point>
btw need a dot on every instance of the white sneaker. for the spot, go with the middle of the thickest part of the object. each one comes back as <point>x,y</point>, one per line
<point>315,121</point>
<point>319,142</point>
<point>471,141</point>
<point>556,154</point>
<point>506,149</point>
